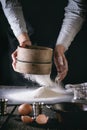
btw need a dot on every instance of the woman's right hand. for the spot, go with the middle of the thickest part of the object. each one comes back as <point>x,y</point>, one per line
<point>60,62</point>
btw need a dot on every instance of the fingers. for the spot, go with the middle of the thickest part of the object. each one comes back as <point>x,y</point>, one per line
<point>60,60</point>
<point>62,75</point>
<point>62,68</point>
<point>61,65</point>
<point>25,43</point>
<point>14,56</point>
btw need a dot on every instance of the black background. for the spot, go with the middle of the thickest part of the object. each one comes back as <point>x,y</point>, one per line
<point>46,19</point>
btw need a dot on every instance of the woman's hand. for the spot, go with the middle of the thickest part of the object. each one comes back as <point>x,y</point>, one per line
<point>23,42</point>
<point>60,62</point>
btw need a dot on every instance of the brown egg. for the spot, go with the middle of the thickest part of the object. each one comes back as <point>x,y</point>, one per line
<point>25,109</point>
<point>27,119</point>
<point>41,119</point>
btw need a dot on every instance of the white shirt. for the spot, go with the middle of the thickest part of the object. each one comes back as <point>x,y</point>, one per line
<point>75,12</point>
<point>13,12</point>
<point>74,17</point>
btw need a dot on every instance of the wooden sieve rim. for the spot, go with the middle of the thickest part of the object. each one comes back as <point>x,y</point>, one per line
<point>36,47</point>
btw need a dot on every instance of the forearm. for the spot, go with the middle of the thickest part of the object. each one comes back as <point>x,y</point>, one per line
<point>75,13</point>
<point>14,15</point>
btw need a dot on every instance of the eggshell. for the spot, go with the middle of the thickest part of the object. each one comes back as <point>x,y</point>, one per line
<point>41,119</point>
<point>27,119</point>
<point>24,109</point>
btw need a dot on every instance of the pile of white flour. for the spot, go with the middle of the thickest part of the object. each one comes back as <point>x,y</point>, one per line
<point>46,92</point>
<point>39,93</point>
<point>48,89</point>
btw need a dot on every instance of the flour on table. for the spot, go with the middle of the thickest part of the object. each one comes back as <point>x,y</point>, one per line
<point>40,93</point>
<point>44,92</point>
<point>48,89</point>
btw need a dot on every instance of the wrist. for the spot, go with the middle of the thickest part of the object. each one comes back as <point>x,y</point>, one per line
<point>60,48</point>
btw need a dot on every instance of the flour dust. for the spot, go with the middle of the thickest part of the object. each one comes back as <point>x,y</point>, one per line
<point>47,89</point>
<point>44,80</point>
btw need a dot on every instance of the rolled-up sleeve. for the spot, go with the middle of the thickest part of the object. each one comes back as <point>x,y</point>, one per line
<point>75,13</point>
<point>13,12</point>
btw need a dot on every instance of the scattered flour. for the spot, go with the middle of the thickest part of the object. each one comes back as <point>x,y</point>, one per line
<point>41,93</point>
<point>45,92</point>
<point>48,89</point>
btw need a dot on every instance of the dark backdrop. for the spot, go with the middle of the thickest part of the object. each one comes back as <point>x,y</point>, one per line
<point>46,18</point>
